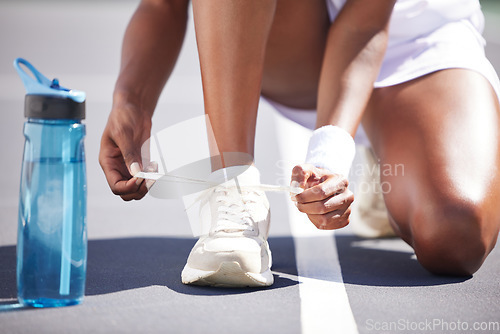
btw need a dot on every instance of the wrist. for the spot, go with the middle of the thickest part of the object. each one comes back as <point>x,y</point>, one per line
<point>132,101</point>
<point>129,114</point>
<point>332,148</point>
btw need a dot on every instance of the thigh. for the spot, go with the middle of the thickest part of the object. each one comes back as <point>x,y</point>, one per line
<point>294,52</point>
<point>442,131</point>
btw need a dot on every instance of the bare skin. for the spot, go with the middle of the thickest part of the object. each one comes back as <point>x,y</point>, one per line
<point>145,66</point>
<point>354,51</point>
<point>294,53</point>
<point>443,206</point>
<point>231,61</point>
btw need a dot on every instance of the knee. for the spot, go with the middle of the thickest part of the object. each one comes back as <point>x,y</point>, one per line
<point>449,237</point>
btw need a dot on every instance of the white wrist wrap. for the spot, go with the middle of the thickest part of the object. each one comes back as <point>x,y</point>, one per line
<point>332,148</point>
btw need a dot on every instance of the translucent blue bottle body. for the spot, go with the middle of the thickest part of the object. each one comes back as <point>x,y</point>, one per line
<point>52,235</point>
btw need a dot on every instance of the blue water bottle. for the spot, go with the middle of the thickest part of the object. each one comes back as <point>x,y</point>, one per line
<point>52,235</point>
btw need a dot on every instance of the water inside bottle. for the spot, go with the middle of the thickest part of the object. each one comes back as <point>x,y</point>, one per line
<point>40,251</point>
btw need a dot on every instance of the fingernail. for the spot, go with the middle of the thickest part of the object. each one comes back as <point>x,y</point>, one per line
<point>294,184</point>
<point>135,168</point>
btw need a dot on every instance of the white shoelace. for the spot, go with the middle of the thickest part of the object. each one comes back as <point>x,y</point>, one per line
<point>170,178</point>
<point>235,205</point>
<point>234,209</point>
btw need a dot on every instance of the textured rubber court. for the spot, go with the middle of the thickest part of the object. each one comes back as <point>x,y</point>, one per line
<point>324,282</point>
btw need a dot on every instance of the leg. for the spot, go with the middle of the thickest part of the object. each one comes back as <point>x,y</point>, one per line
<point>444,130</point>
<point>231,37</point>
<point>233,251</point>
<point>281,53</point>
<point>294,53</point>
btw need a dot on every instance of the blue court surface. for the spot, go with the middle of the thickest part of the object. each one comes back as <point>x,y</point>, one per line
<point>325,282</point>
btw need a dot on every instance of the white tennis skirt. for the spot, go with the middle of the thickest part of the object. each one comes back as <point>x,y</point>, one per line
<point>425,36</point>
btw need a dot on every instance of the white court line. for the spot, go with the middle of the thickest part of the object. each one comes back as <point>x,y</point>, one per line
<point>325,305</point>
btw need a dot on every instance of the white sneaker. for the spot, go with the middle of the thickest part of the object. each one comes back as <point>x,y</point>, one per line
<point>235,253</point>
<point>370,218</point>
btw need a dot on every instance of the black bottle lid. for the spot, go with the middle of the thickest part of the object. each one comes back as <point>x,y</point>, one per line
<point>53,107</point>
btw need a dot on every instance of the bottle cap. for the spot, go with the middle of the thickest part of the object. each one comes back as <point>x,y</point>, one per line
<point>46,98</point>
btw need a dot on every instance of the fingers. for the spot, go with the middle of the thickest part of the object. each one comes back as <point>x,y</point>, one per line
<point>329,214</point>
<point>301,174</point>
<point>132,159</point>
<point>334,203</point>
<point>326,199</point>
<point>124,186</point>
<point>127,130</point>
<point>118,176</point>
<point>332,220</point>
<point>134,169</point>
<point>332,185</point>
<point>138,194</point>
<point>128,189</point>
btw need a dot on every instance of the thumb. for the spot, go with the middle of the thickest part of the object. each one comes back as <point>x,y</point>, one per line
<point>134,168</point>
<point>133,161</point>
<point>300,175</point>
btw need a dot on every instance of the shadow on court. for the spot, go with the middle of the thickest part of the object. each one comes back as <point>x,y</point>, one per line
<point>123,264</point>
<point>383,264</point>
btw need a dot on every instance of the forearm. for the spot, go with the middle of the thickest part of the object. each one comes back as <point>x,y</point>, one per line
<point>355,49</point>
<point>151,45</point>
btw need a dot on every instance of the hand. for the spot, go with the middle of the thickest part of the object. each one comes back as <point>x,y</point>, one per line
<point>326,199</point>
<point>120,155</point>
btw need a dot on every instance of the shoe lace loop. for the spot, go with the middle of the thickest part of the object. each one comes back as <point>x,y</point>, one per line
<point>234,208</point>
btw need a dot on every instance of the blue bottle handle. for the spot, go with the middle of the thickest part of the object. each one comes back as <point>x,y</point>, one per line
<point>44,86</point>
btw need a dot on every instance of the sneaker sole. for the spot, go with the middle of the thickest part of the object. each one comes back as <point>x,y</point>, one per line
<point>229,275</point>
